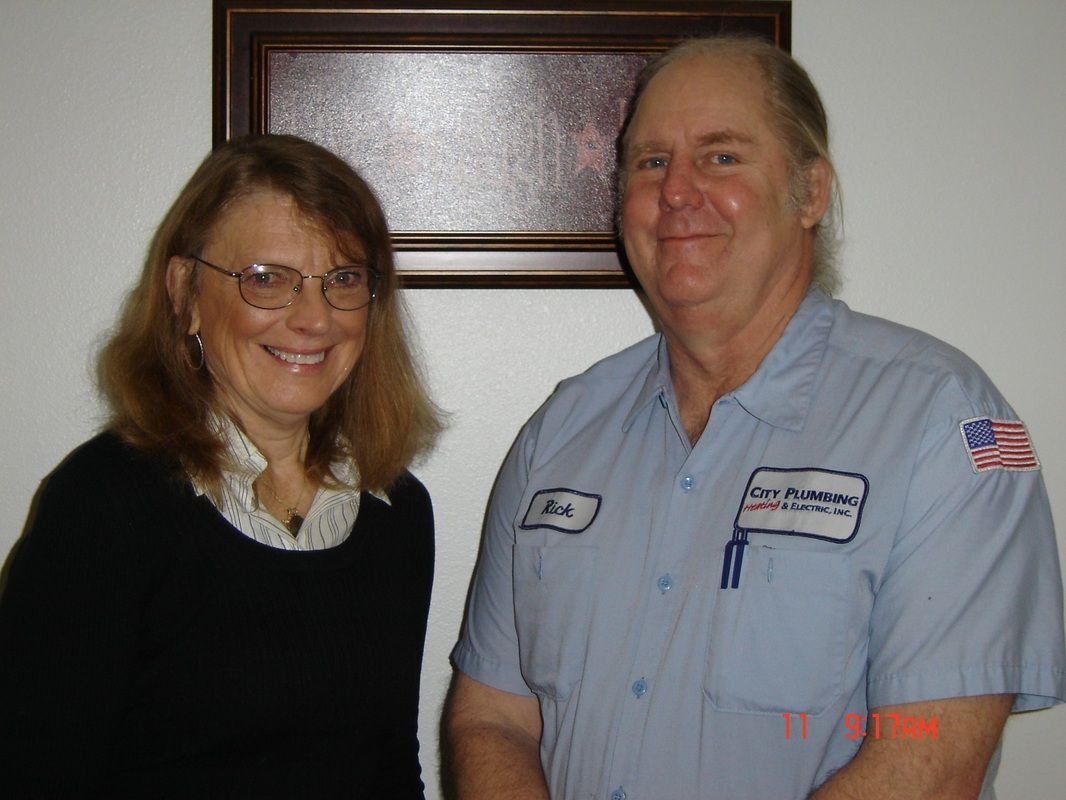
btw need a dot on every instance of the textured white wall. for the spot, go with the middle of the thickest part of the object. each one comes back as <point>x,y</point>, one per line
<point>948,120</point>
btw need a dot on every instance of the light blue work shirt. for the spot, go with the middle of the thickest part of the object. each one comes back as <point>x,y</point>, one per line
<point>893,568</point>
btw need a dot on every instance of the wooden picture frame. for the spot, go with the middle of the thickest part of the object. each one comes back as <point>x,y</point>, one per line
<point>488,133</point>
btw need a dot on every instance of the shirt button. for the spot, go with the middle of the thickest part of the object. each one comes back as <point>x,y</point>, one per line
<point>688,483</point>
<point>618,794</point>
<point>665,583</point>
<point>640,687</point>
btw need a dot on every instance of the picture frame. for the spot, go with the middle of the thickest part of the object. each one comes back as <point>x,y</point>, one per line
<point>488,133</point>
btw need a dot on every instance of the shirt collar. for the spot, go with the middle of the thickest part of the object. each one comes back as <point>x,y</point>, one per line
<point>246,463</point>
<point>781,390</point>
<point>656,383</point>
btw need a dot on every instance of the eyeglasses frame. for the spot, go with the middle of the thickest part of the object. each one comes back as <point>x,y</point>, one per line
<point>297,289</point>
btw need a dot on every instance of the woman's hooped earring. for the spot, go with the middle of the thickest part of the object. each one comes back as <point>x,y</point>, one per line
<point>200,344</point>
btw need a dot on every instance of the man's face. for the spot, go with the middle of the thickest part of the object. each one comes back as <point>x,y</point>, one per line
<point>707,219</point>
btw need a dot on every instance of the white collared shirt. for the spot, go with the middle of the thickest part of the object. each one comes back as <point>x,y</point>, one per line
<point>328,522</point>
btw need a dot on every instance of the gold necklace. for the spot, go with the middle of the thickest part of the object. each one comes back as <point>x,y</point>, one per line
<point>293,520</point>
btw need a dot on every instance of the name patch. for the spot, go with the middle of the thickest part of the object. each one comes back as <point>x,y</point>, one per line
<point>565,510</point>
<point>819,503</point>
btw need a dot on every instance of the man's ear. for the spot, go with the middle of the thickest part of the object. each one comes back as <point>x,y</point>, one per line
<point>819,184</point>
<point>179,280</point>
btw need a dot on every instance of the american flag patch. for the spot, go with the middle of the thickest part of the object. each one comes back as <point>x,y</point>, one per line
<point>998,444</point>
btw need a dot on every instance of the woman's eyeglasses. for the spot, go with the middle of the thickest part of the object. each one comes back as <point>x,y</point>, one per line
<point>273,286</point>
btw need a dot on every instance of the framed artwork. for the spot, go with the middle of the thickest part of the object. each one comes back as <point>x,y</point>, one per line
<point>488,133</point>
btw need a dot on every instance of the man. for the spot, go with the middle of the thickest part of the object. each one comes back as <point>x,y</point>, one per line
<point>780,548</point>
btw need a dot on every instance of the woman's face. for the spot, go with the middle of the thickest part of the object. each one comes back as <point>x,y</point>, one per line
<point>273,368</point>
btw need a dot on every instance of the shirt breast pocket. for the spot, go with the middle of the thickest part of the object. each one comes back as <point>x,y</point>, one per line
<point>552,606</point>
<point>780,641</point>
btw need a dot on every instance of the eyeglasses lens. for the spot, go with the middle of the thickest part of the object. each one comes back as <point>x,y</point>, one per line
<point>349,288</point>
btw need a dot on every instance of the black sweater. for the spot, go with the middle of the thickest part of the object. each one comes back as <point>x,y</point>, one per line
<point>149,649</point>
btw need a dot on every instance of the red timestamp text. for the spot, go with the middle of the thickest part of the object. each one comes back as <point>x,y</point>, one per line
<point>890,726</point>
<point>801,719</point>
<point>874,725</point>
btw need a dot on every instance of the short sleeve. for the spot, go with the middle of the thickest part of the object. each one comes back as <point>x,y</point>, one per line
<point>971,600</point>
<point>487,650</point>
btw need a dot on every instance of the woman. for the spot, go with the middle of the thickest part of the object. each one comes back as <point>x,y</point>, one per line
<point>225,593</point>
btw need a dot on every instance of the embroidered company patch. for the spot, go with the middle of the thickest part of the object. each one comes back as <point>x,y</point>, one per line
<point>563,510</point>
<point>998,444</point>
<point>819,503</point>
